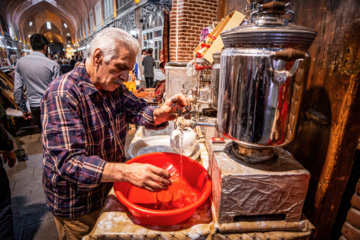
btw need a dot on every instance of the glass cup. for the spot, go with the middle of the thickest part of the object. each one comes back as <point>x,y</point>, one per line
<point>164,200</point>
<point>174,173</point>
<point>170,168</point>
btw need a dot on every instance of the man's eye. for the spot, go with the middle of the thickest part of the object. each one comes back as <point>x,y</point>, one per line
<point>121,68</point>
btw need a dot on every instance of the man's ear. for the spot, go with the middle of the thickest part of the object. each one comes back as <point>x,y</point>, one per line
<point>97,57</point>
<point>45,48</point>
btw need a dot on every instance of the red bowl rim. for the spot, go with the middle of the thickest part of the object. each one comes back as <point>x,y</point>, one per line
<point>160,213</point>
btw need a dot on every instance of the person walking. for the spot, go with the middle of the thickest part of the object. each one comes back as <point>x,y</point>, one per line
<point>72,62</point>
<point>35,71</point>
<point>84,114</point>
<point>149,64</point>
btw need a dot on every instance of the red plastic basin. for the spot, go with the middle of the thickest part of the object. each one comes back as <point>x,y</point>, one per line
<point>195,178</point>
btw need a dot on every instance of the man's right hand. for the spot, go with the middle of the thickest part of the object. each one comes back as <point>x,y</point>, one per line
<point>27,115</point>
<point>147,176</point>
<point>141,175</point>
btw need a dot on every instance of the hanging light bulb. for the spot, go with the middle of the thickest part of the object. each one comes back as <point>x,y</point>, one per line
<point>137,1</point>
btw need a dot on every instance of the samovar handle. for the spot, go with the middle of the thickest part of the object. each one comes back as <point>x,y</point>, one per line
<point>279,74</point>
<point>289,55</point>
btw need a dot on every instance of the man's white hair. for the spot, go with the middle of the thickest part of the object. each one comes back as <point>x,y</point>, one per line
<point>110,40</point>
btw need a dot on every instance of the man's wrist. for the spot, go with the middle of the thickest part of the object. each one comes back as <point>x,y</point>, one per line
<point>113,172</point>
<point>157,116</point>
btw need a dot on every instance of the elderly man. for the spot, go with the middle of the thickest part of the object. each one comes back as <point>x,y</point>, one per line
<point>83,117</point>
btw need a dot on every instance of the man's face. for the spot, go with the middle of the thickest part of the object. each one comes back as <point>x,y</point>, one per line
<point>111,75</point>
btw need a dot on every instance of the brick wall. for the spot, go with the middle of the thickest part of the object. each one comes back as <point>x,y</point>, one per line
<point>187,19</point>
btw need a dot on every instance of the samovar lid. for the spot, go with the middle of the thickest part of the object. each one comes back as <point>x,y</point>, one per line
<point>267,29</point>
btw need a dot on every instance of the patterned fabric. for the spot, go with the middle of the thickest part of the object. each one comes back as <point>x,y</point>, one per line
<point>84,128</point>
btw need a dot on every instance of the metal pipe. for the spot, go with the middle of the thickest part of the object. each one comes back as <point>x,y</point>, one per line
<point>202,124</point>
<point>202,102</point>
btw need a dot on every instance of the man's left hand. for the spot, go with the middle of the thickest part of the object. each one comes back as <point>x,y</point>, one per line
<point>27,115</point>
<point>166,112</point>
<point>10,158</point>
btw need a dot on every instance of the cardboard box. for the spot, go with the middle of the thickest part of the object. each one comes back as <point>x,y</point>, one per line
<point>231,21</point>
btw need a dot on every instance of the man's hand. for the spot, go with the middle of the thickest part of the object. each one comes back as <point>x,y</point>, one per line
<point>166,112</point>
<point>147,176</point>
<point>10,158</point>
<point>27,115</point>
<point>140,175</point>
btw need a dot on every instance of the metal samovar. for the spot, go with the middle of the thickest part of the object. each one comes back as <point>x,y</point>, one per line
<point>263,69</point>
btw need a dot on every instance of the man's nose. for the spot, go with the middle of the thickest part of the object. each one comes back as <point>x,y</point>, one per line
<point>124,75</point>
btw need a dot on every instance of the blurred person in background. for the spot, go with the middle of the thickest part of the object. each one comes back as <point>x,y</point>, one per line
<point>65,66</point>
<point>149,64</point>
<point>35,72</point>
<point>72,62</point>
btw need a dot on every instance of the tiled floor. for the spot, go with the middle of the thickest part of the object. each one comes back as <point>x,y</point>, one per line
<point>32,219</point>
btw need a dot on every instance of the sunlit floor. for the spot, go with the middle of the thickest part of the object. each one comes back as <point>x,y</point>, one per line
<point>32,219</point>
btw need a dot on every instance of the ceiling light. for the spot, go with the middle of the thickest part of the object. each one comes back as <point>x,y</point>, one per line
<point>30,24</point>
<point>65,25</point>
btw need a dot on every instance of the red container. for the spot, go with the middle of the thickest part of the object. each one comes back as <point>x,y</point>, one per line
<point>195,178</point>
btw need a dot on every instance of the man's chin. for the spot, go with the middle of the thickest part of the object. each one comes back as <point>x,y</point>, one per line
<point>113,87</point>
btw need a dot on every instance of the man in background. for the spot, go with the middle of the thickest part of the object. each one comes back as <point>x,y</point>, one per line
<point>65,66</point>
<point>35,71</point>
<point>149,64</point>
<point>72,62</point>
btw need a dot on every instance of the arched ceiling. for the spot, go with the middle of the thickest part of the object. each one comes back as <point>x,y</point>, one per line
<point>20,12</point>
<point>53,37</point>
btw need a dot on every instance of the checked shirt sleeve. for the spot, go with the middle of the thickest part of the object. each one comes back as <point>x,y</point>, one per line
<point>138,112</point>
<point>64,143</point>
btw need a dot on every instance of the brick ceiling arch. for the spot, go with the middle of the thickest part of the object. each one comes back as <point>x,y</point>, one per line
<point>53,37</point>
<point>19,12</point>
<point>54,29</point>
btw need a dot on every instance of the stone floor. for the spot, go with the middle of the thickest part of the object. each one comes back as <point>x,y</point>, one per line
<point>32,219</point>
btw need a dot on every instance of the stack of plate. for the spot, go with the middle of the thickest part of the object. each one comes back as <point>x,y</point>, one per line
<point>160,143</point>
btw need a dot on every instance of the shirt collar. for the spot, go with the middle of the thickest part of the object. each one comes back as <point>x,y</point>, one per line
<point>89,86</point>
<point>37,53</point>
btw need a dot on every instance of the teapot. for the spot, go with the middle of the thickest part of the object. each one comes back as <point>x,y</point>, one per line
<point>189,141</point>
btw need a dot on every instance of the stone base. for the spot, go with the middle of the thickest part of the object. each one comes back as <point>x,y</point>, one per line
<point>241,191</point>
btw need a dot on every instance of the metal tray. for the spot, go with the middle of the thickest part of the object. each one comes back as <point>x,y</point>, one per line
<point>160,143</point>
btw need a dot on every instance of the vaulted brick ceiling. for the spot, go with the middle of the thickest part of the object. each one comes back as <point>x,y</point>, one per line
<point>20,12</point>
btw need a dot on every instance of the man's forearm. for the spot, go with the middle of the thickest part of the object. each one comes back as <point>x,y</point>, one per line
<point>20,100</point>
<point>19,92</point>
<point>114,172</point>
<point>159,116</point>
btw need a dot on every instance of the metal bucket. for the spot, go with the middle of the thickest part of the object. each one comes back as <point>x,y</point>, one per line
<point>215,75</point>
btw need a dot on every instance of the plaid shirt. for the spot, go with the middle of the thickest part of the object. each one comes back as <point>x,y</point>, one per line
<point>84,128</point>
